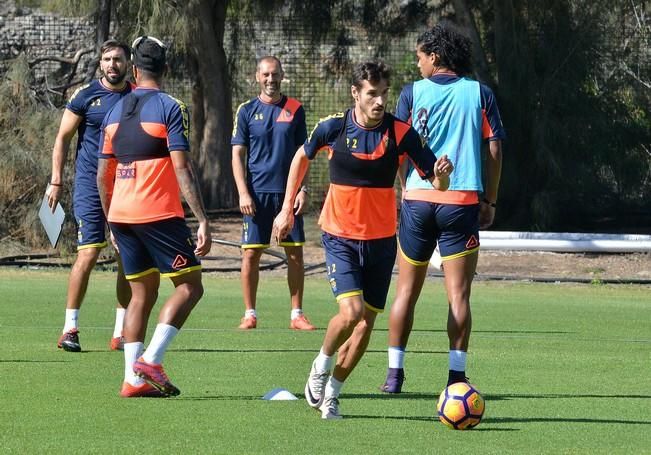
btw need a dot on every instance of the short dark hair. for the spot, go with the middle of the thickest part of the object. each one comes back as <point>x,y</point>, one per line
<point>149,55</point>
<point>268,57</point>
<point>453,48</point>
<point>372,71</point>
<point>112,44</point>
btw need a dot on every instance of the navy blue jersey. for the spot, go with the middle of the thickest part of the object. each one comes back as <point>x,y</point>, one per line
<point>91,101</point>
<point>272,132</point>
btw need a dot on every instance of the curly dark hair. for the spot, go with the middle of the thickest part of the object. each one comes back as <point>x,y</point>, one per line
<point>372,71</point>
<point>452,47</point>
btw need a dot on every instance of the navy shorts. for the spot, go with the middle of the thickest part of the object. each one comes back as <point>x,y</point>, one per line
<point>89,216</point>
<point>424,224</point>
<point>164,247</point>
<point>360,267</point>
<point>256,230</point>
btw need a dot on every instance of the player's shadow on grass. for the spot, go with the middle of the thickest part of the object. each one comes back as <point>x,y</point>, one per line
<point>429,419</point>
<point>510,332</point>
<point>275,351</point>
<point>511,396</point>
<point>227,351</point>
<point>31,361</point>
<point>499,420</point>
<point>219,398</point>
<point>392,396</point>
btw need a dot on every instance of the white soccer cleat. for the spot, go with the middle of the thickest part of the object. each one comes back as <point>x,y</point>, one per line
<point>330,409</point>
<point>315,386</point>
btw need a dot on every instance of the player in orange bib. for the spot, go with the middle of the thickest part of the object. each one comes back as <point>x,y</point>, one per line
<point>144,165</point>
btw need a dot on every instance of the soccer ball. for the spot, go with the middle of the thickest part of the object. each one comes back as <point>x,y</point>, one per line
<point>460,406</point>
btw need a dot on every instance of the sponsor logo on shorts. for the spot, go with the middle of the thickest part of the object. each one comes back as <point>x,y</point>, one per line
<point>333,285</point>
<point>472,243</point>
<point>179,262</point>
<point>126,172</point>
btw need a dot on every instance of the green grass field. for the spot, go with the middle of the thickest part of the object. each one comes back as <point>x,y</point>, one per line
<point>563,368</point>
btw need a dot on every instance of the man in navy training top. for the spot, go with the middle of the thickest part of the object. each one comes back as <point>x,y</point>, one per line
<point>83,115</point>
<point>267,132</point>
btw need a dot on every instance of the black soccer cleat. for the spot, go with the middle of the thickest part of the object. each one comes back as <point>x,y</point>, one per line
<point>69,341</point>
<point>393,383</point>
<point>457,376</point>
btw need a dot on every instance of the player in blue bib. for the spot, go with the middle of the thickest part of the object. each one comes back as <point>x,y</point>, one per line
<point>83,115</point>
<point>268,130</point>
<point>457,116</point>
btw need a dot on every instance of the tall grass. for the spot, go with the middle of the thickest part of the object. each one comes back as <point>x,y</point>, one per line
<point>27,131</point>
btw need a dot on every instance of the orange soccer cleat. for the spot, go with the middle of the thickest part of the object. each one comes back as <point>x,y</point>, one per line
<point>248,322</point>
<point>117,343</point>
<point>155,376</point>
<point>301,323</point>
<point>140,391</point>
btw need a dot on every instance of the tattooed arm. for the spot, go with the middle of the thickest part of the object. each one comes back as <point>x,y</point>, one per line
<point>187,178</point>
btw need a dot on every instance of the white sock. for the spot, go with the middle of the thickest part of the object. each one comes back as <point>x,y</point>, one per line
<point>249,313</point>
<point>119,322</point>
<point>163,336</point>
<point>71,320</point>
<point>333,387</point>
<point>396,357</point>
<point>296,313</point>
<point>457,360</point>
<point>131,353</point>
<point>324,362</point>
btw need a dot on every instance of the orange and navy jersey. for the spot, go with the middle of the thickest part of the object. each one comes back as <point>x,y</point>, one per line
<point>363,162</point>
<point>140,131</point>
<point>272,132</point>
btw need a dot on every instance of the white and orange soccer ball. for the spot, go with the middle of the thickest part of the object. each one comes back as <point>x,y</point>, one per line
<point>460,406</point>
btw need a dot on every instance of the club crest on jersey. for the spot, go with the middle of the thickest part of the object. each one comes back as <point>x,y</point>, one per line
<point>179,262</point>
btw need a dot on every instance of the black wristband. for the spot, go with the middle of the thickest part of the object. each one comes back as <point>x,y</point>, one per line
<point>492,204</point>
<point>56,184</point>
<point>304,189</point>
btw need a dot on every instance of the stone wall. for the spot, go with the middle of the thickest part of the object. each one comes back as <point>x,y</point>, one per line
<point>38,34</point>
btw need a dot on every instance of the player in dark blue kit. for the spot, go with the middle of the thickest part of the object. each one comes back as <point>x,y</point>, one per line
<point>457,116</point>
<point>83,115</point>
<point>268,130</point>
<point>365,146</point>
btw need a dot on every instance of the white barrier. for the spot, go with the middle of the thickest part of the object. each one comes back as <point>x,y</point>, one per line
<point>565,242</point>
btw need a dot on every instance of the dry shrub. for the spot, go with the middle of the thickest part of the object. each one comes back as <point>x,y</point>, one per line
<point>27,132</point>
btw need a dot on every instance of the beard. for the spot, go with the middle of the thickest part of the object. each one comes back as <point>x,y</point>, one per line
<point>115,79</point>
